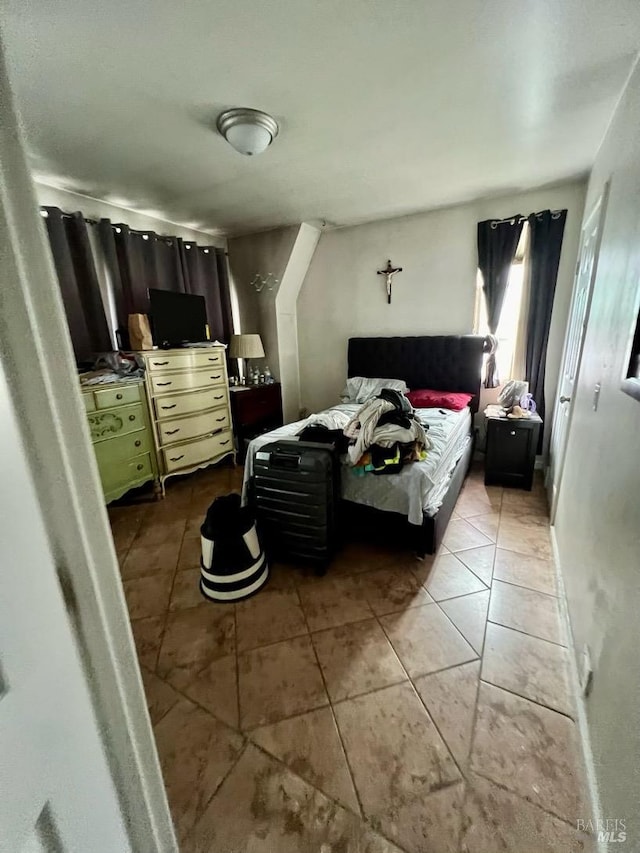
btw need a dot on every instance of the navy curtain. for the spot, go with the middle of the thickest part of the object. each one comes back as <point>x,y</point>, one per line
<point>205,274</point>
<point>225,296</point>
<point>135,261</point>
<point>497,244</point>
<point>138,260</point>
<point>73,260</point>
<point>545,244</point>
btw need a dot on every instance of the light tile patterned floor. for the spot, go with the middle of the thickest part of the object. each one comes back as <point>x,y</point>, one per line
<point>393,705</point>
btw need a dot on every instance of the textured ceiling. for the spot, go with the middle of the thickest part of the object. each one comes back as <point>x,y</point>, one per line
<point>386,106</point>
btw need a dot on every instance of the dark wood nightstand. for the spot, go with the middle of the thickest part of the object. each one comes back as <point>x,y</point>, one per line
<point>255,409</point>
<point>511,451</point>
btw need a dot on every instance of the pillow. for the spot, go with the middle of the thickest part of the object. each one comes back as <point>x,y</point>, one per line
<point>424,398</point>
<point>359,389</point>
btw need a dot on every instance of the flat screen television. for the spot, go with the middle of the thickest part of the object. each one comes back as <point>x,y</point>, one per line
<point>177,318</point>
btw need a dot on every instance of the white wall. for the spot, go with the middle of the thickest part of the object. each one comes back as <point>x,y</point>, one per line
<point>598,517</point>
<point>343,297</point>
<point>94,208</point>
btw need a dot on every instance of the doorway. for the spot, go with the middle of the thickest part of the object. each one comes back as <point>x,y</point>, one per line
<point>586,269</point>
<point>42,387</point>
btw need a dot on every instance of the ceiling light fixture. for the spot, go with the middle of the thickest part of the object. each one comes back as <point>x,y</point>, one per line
<point>248,131</point>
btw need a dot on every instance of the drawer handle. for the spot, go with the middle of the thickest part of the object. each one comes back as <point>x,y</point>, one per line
<point>215,358</point>
<point>132,417</point>
<point>219,420</point>
<point>138,443</point>
<point>162,384</point>
<point>225,442</point>
<point>118,396</point>
<point>215,377</point>
<point>176,458</point>
<point>172,406</point>
<point>219,398</point>
<point>513,432</point>
<point>140,466</point>
<point>160,363</point>
<point>173,431</point>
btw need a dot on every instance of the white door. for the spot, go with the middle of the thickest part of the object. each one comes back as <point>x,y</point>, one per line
<point>56,792</point>
<point>578,316</point>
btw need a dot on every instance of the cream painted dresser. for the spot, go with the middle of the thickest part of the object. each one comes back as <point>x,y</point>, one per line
<point>189,398</point>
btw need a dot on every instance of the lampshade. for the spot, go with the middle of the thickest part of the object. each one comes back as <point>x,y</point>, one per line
<point>246,346</point>
<point>248,131</point>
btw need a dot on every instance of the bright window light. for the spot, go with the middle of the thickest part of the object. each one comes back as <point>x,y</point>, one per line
<point>507,331</point>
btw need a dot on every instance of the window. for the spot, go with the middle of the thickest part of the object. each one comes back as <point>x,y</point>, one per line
<point>509,358</point>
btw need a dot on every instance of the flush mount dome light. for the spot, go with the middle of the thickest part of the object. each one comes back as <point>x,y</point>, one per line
<point>248,131</point>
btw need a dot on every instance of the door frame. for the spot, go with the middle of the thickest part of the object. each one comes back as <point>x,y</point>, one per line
<point>598,211</point>
<point>42,377</point>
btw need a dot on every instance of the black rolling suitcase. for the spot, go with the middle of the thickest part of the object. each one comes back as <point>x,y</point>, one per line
<point>296,492</point>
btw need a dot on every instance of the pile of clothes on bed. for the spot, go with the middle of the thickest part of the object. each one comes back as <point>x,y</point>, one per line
<point>381,437</point>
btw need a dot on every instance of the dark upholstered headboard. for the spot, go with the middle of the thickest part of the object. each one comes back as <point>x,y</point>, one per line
<point>441,362</point>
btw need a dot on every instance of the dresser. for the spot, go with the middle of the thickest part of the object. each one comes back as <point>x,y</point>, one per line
<point>122,436</point>
<point>189,399</point>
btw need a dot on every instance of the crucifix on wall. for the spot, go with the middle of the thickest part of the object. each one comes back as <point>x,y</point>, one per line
<point>389,272</point>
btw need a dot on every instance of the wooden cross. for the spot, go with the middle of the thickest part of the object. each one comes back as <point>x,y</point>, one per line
<point>389,272</point>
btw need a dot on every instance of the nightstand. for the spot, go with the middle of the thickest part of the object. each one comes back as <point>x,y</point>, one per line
<point>255,409</point>
<point>511,451</point>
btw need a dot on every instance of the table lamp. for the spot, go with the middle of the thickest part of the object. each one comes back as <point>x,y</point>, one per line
<point>246,346</point>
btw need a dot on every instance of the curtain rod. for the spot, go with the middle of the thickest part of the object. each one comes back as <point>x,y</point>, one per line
<point>118,225</point>
<point>43,211</point>
<point>555,214</point>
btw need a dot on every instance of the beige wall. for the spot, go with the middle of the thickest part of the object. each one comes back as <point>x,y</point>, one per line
<point>286,253</point>
<point>286,308</point>
<point>342,296</point>
<point>598,518</point>
<point>266,252</point>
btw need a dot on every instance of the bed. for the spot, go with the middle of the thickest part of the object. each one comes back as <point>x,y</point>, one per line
<point>418,501</point>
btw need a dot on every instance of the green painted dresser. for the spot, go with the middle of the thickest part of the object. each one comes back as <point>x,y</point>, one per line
<point>121,433</point>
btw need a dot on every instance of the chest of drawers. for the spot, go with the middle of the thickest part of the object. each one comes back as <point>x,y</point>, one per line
<point>121,434</point>
<point>189,398</point>
<point>255,409</point>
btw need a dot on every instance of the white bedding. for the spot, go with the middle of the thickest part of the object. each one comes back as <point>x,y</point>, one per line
<point>419,487</point>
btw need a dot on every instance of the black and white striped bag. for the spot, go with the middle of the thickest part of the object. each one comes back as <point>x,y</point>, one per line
<point>233,563</point>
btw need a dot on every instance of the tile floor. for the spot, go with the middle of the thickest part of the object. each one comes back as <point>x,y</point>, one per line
<point>393,705</point>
